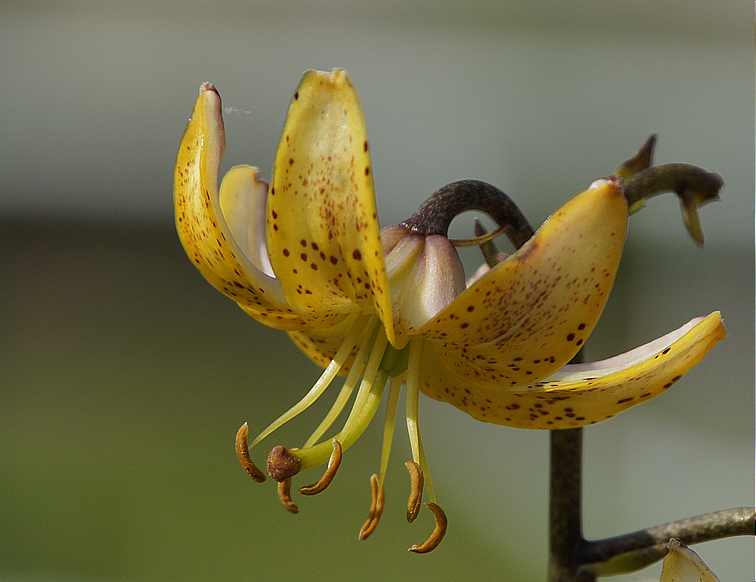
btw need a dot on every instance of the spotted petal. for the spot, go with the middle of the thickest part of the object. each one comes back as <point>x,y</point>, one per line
<point>581,394</point>
<point>322,230</point>
<point>529,315</point>
<point>209,236</point>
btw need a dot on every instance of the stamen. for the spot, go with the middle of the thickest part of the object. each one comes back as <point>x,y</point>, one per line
<point>355,373</point>
<point>325,380</point>
<point>416,490</point>
<point>376,508</point>
<point>373,373</point>
<point>363,412</point>
<point>376,481</point>
<point>413,413</point>
<point>365,406</point>
<point>436,536</point>
<point>328,475</point>
<point>427,477</point>
<point>412,397</point>
<point>242,452</point>
<point>389,425</point>
<point>284,494</point>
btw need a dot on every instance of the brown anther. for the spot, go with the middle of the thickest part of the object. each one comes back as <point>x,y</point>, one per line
<point>284,494</point>
<point>376,508</point>
<point>333,465</point>
<point>241,447</point>
<point>415,499</point>
<point>436,536</point>
<point>282,464</point>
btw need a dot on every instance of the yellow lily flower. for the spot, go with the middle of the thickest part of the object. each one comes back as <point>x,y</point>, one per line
<point>391,308</point>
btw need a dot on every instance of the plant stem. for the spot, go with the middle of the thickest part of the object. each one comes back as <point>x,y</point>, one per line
<point>574,559</point>
<point>636,550</point>
<point>565,514</point>
<point>565,502</point>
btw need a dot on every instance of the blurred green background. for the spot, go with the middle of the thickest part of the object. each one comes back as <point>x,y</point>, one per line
<point>125,375</point>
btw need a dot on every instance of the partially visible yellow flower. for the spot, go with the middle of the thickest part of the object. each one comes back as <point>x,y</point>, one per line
<point>391,308</point>
<point>682,564</point>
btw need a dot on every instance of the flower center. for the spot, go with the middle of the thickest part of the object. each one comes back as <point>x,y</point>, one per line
<point>425,275</point>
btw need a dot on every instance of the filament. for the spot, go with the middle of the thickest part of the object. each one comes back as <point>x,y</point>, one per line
<point>363,410</point>
<point>320,386</point>
<point>413,413</point>
<point>355,372</point>
<point>389,424</point>
<point>412,398</point>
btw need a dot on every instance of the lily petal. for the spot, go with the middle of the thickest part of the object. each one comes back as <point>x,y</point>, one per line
<point>204,232</point>
<point>243,198</point>
<point>322,231</point>
<point>682,564</point>
<point>528,316</point>
<point>582,394</point>
<point>431,284</point>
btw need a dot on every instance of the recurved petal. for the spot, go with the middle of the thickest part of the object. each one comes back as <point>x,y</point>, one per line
<point>204,232</point>
<point>528,316</point>
<point>243,199</point>
<point>580,394</point>
<point>322,229</point>
<point>682,564</point>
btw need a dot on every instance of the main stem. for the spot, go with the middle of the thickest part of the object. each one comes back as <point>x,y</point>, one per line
<point>565,509</point>
<point>565,502</point>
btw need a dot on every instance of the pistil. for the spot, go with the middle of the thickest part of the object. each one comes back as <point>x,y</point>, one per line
<point>355,373</point>
<point>365,406</point>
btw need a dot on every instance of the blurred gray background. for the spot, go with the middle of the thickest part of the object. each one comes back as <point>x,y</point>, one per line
<point>125,375</point>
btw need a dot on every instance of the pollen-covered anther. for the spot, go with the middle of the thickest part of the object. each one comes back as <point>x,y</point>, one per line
<point>284,494</point>
<point>436,536</point>
<point>415,499</point>
<point>325,480</point>
<point>241,446</point>
<point>376,508</point>
<point>282,464</point>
